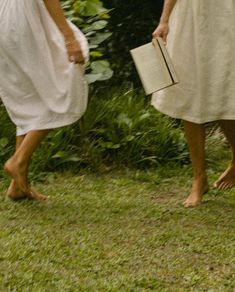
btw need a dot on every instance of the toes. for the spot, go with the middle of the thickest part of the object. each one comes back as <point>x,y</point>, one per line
<point>186,205</point>
<point>231,185</point>
<point>225,185</point>
<point>33,195</point>
<point>191,204</point>
<point>219,185</point>
<point>39,196</point>
<point>228,185</point>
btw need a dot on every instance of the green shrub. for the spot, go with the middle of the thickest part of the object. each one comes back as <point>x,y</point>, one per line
<point>92,18</point>
<point>126,130</point>
<point>119,129</point>
<point>7,135</point>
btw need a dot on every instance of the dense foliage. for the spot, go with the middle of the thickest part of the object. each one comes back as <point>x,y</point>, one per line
<point>92,18</point>
<point>131,24</point>
<point>117,129</point>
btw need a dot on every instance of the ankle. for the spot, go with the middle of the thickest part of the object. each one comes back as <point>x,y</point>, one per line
<point>200,177</point>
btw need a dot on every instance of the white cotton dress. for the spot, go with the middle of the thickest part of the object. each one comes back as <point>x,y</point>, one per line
<point>201,43</point>
<point>39,87</point>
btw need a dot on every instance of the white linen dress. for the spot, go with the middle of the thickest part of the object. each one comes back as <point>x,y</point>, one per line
<point>39,87</point>
<point>201,42</point>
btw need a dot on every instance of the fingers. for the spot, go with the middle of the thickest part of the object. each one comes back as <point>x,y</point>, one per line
<point>74,52</point>
<point>161,31</point>
<point>77,59</point>
<point>164,39</point>
<point>156,34</point>
<point>162,35</point>
<point>76,56</point>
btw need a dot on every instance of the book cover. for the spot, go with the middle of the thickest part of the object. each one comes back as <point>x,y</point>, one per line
<point>154,66</point>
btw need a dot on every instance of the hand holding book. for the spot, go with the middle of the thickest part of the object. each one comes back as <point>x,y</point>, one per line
<point>154,66</point>
<point>161,31</point>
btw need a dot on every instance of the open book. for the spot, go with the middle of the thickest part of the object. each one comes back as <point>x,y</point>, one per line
<point>154,66</point>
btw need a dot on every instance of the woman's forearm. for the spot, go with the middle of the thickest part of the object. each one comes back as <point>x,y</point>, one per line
<point>72,44</point>
<point>167,8</point>
<point>56,12</point>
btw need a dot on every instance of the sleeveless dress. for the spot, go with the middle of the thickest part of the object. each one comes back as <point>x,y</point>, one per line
<point>201,42</point>
<point>39,87</point>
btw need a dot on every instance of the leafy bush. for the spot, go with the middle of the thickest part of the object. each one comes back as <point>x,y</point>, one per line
<point>119,129</point>
<point>7,136</point>
<point>92,18</point>
<point>126,130</point>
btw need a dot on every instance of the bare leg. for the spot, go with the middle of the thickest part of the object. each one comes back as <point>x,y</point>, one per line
<point>17,165</point>
<point>13,191</point>
<point>195,135</point>
<point>227,179</point>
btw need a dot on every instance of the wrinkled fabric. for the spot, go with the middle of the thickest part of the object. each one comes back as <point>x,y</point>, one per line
<point>39,87</point>
<point>201,43</point>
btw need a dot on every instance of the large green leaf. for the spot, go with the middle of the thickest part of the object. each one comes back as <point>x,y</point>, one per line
<point>93,77</point>
<point>100,24</point>
<point>99,66</point>
<point>91,17</point>
<point>103,68</point>
<point>91,7</point>
<point>100,37</point>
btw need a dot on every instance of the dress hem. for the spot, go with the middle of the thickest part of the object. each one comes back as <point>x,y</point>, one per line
<point>48,126</point>
<point>194,120</point>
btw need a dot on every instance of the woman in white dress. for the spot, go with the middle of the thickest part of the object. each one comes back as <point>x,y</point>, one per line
<point>42,81</point>
<point>201,41</point>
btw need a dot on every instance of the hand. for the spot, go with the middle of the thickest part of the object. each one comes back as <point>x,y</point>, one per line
<point>161,31</point>
<point>74,51</point>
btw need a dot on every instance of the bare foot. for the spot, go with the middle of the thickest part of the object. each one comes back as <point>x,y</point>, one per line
<point>199,188</point>
<point>34,195</point>
<point>18,172</point>
<point>227,179</point>
<point>14,193</point>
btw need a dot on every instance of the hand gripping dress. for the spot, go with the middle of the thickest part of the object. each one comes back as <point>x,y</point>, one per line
<point>39,87</point>
<point>201,42</point>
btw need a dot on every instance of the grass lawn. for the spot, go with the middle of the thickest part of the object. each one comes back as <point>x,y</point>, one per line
<point>121,231</point>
